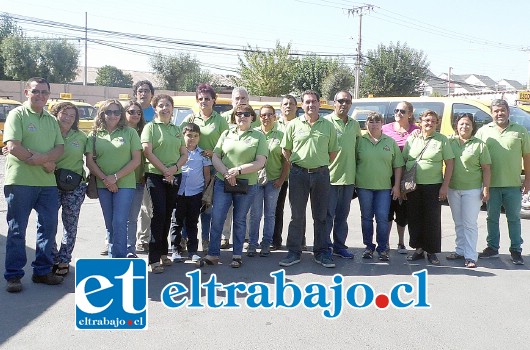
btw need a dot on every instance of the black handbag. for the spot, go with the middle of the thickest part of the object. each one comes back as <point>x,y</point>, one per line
<point>92,188</point>
<point>241,187</point>
<point>67,180</point>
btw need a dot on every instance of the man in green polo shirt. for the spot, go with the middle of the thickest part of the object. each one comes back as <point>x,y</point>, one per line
<point>310,144</point>
<point>507,142</point>
<point>33,139</point>
<point>342,174</point>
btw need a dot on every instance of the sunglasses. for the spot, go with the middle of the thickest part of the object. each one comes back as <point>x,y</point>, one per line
<point>243,114</point>
<point>269,115</point>
<point>402,111</point>
<point>40,92</point>
<point>134,112</point>
<point>116,112</point>
<point>343,100</point>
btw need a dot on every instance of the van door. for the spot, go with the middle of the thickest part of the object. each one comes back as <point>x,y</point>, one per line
<point>480,116</point>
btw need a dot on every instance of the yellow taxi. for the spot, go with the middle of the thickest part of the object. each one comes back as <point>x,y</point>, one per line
<point>6,105</point>
<point>86,110</point>
<point>325,108</point>
<point>186,105</point>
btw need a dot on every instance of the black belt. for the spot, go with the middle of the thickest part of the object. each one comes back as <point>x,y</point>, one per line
<point>312,170</point>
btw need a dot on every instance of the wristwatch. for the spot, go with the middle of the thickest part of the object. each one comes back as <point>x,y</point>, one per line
<point>239,170</point>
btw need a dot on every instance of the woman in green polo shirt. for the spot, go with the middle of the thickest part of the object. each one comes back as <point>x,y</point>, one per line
<point>117,148</point>
<point>430,150</point>
<point>165,151</point>
<point>378,160</point>
<point>72,159</point>
<point>468,188</point>
<point>237,157</point>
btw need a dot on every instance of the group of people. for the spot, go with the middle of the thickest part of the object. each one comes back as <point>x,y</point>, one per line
<point>152,171</point>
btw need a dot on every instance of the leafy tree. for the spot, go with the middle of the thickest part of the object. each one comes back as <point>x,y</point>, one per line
<point>17,54</point>
<point>267,73</point>
<point>393,70</point>
<point>310,72</point>
<point>337,80</point>
<point>179,72</point>
<point>8,28</point>
<point>112,76</point>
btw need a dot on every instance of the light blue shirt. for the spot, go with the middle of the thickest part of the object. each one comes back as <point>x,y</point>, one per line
<point>192,182</point>
<point>149,114</point>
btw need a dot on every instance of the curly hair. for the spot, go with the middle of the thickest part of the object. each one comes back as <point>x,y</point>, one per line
<point>58,107</point>
<point>100,121</point>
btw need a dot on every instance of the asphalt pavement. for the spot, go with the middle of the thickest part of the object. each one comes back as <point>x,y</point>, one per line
<point>483,308</point>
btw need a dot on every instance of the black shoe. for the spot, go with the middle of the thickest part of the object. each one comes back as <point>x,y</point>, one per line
<point>14,285</point>
<point>368,254</point>
<point>50,279</point>
<point>275,247</point>
<point>433,259</point>
<point>416,256</point>
<point>488,253</point>
<point>517,259</point>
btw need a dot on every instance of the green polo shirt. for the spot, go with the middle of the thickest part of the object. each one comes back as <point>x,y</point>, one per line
<point>376,162</point>
<point>211,129</point>
<point>342,170</point>
<point>274,160</point>
<point>506,149</point>
<point>228,117</point>
<point>469,158</point>
<point>38,132</point>
<point>310,145</point>
<point>166,140</point>
<point>114,151</point>
<point>74,149</point>
<point>236,149</point>
<point>429,169</point>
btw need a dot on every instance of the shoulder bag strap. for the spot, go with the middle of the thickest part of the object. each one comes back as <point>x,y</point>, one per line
<point>423,150</point>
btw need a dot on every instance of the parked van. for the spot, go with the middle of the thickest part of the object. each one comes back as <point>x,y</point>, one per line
<point>86,110</point>
<point>6,105</point>
<point>324,110</point>
<point>122,98</point>
<point>186,105</point>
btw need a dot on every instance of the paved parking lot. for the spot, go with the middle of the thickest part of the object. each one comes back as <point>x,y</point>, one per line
<point>485,308</point>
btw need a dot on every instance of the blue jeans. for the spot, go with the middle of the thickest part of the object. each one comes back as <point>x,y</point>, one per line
<point>222,201</point>
<point>302,186</point>
<point>266,197</point>
<point>115,208</point>
<point>340,197</point>
<point>374,203</point>
<point>20,201</point>
<point>132,221</point>
<point>510,199</point>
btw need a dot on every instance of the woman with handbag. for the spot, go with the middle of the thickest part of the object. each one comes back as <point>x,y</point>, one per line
<point>378,159</point>
<point>72,196</point>
<point>270,181</point>
<point>237,157</point>
<point>428,151</point>
<point>165,151</point>
<point>112,155</point>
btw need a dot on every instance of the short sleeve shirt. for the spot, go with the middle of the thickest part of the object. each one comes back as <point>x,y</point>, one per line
<point>469,158</point>
<point>38,132</point>
<point>400,138</point>
<point>114,151</point>
<point>506,147</point>
<point>236,149</point>
<point>376,162</point>
<point>74,149</point>
<point>211,129</point>
<point>342,169</point>
<point>166,140</point>
<point>274,160</point>
<point>310,145</point>
<point>149,114</point>
<point>429,168</point>
<point>192,182</point>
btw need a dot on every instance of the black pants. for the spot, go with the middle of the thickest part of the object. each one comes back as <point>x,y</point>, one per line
<point>186,215</point>
<point>424,212</point>
<point>278,221</point>
<point>164,198</point>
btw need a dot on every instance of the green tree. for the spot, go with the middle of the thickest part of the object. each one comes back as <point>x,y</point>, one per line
<point>17,54</point>
<point>310,72</point>
<point>267,73</point>
<point>112,76</point>
<point>179,72</point>
<point>337,80</point>
<point>393,70</point>
<point>8,28</point>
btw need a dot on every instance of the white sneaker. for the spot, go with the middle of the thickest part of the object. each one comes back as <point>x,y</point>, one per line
<point>176,257</point>
<point>195,258</point>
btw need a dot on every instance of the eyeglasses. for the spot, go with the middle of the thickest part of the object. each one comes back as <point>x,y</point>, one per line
<point>343,100</point>
<point>40,92</point>
<point>206,99</point>
<point>402,111</point>
<point>110,112</point>
<point>142,91</point>
<point>243,114</point>
<point>133,112</point>
<point>268,115</point>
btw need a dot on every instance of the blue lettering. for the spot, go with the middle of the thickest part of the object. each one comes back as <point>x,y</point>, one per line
<point>394,295</point>
<point>281,286</point>
<point>195,288</point>
<point>422,289</point>
<point>351,295</point>
<point>258,296</point>
<point>231,290</point>
<point>170,292</point>
<point>211,287</point>
<point>337,288</point>
<point>319,296</point>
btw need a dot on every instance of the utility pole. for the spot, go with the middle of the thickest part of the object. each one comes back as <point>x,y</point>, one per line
<point>85,77</point>
<point>449,81</point>
<point>359,10</point>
